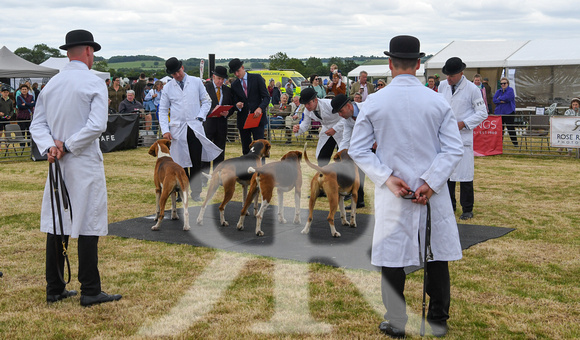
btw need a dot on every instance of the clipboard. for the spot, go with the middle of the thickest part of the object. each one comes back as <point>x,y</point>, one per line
<point>216,113</point>
<point>252,122</point>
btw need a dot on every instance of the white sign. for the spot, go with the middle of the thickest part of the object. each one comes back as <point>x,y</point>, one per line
<point>565,131</point>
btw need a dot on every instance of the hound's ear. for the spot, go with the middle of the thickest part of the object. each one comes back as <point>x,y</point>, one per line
<point>299,155</point>
<point>336,157</point>
<point>168,143</point>
<point>153,150</point>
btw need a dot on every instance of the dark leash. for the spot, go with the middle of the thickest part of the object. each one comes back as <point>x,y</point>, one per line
<point>58,190</point>
<point>427,255</point>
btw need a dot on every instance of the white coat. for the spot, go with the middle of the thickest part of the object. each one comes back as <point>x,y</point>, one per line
<point>469,107</point>
<point>417,141</point>
<point>329,120</point>
<point>73,108</point>
<point>348,126</point>
<point>186,106</point>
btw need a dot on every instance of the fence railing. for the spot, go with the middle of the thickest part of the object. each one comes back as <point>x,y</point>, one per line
<point>531,136</point>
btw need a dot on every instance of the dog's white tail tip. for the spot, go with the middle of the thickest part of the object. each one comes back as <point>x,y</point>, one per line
<point>251,170</point>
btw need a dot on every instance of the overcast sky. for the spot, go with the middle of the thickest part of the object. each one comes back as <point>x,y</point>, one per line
<point>246,29</point>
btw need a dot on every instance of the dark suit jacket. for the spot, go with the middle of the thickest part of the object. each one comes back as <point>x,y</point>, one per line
<point>258,96</point>
<point>227,99</point>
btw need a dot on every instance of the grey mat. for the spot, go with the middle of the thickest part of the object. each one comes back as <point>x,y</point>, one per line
<point>283,241</point>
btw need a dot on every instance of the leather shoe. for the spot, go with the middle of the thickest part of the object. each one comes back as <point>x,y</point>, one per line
<point>466,216</point>
<point>439,329</point>
<point>391,330</point>
<point>1,274</point>
<point>88,300</point>
<point>195,198</point>
<point>65,294</point>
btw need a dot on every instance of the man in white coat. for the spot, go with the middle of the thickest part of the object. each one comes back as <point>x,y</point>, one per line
<point>71,114</point>
<point>189,102</point>
<point>330,133</point>
<point>418,146</point>
<point>470,110</point>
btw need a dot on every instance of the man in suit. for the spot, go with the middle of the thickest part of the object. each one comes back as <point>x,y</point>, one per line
<point>251,97</point>
<point>216,128</point>
<point>362,86</point>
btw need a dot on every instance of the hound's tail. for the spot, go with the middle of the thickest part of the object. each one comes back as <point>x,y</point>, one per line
<point>313,166</point>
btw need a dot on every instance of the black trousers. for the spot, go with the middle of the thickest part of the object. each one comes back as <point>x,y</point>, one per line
<point>326,152</point>
<point>194,173</point>
<point>466,197</point>
<point>247,134</point>
<point>217,132</point>
<point>361,189</point>
<point>508,123</point>
<point>437,287</point>
<point>88,264</point>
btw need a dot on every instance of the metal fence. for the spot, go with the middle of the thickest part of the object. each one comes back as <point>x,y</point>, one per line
<point>531,133</point>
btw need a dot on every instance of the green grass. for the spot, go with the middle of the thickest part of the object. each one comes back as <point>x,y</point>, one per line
<point>522,285</point>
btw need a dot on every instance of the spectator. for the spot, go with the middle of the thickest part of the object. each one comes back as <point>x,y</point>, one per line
<point>505,106</point>
<point>469,110</point>
<point>488,96</point>
<point>153,97</point>
<point>381,83</point>
<point>431,83</point>
<point>333,70</point>
<point>6,108</point>
<point>139,88</point>
<point>316,83</point>
<point>130,104</point>
<point>477,82</point>
<point>362,86</point>
<point>35,90</point>
<point>108,82</point>
<point>271,86</point>
<point>290,88</point>
<point>297,110</point>
<point>25,108</point>
<point>116,94</point>
<point>437,80</point>
<point>276,94</point>
<point>337,87</point>
<point>574,109</point>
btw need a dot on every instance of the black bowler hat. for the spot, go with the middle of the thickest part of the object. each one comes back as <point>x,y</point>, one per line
<point>172,65</point>
<point>80,37</point>
<point>307,95</point>
<point>405,47</point>
<point>453,66</point>
<point>235,65</point>
<point>338,102</point>
<point>220,71</point>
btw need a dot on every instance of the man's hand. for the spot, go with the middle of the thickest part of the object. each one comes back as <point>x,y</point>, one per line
<point>461,125</point>
<point>330,132</point>
<point>258,112</point>
<point>168,136</point>
<point>240,105</point>
<point>397,186</point>
<point>296,128</point>
<point>423,194</point>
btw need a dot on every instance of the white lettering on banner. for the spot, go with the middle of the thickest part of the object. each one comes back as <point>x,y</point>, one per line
<point>107,138</point>
<point>488,124</point>
<point>564,131</point>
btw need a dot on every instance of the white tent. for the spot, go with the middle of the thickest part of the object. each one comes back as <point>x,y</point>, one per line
<point>59,63</point>
<point>12,66</point>
<point>376,72</point>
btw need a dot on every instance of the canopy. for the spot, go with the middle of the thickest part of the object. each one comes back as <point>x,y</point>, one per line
<point>554,52</point>
<point>59,63</point>
<point>12,66</point>
<point>476,54</point>
<point>376,72</point>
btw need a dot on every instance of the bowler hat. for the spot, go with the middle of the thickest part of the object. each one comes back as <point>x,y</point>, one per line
<point>453,66</point>
<point>235,65</point>
<point>80,37</point>
<point>220,71</point>
<point>338,102</point>
<point>172,65</point>
<point>405,47</point>
<point>307,95</point>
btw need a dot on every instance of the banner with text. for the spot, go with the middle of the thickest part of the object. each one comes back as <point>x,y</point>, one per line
<point>122,133</point>
<point>487,137</point>
<point>565,131</point>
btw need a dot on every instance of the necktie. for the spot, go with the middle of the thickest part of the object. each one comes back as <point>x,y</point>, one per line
<point>180,84</point>
<point>245,86</point>
<point>219,95</point>
<point>452,89</point>
<point>317,114</point>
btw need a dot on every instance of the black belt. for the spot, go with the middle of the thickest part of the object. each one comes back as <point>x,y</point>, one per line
<point>56,179</point>
<point>427,254</point>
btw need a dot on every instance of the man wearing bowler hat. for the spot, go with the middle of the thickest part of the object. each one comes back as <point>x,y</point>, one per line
<point>470,110</point>
<point>330,133</point>
<point>216,128</point>
<point>189,103</point>
<point>252,98</point>
<point>418,146</point>
<point>71,114</point>
<point>349,111</point>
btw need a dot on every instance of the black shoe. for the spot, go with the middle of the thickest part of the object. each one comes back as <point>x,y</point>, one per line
<point>1,274</point>
<point>87,300</point>
<point>347,197</point>
<point>439,329</point>
<point>322,194</point>
<point>391,331</point>
<point>195,197</point>
<point>178,199</point>
<point>466,216</point>
<point>65,294</point>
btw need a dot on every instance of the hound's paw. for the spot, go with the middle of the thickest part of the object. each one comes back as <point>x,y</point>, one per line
<point>199,221</point>
<point>305,231</point>
<point>297,220</point>
<point>282,220</point>
<point>345,222</point>
<point>155,227</point>
<point>174,217</point>
<point>225,223</point>
<point>240,226</point>
<point>185,227</point>
<point>259,233</point>
<point>336,234</point>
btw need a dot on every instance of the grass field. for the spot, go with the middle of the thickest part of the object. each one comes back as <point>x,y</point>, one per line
<point>524,285</point>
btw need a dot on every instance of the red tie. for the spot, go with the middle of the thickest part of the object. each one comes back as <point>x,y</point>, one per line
<point>245,86</point>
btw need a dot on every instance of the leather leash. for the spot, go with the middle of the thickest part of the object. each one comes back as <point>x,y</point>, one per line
<point>427,255</point>
<point>56,179</point>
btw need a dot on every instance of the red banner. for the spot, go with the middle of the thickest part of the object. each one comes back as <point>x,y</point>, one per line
<point>487,137</point>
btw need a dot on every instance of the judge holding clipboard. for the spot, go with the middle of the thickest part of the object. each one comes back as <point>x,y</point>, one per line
<point>252,98</point>
<point>222,106</point>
